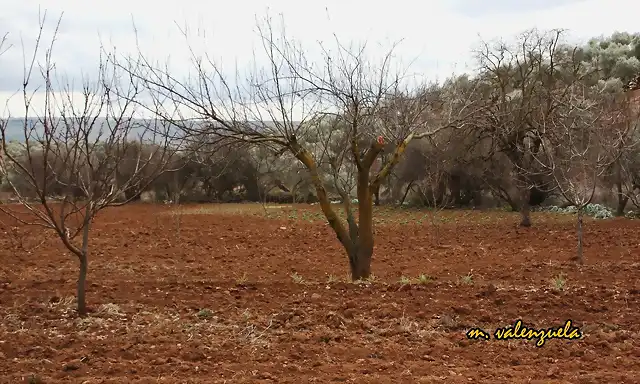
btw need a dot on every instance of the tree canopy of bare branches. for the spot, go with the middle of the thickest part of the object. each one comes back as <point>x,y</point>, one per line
<point>524,84</point>
<point>341,112</point>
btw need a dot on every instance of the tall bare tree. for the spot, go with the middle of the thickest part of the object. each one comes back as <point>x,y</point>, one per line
<point>286,103</point>
<point>74,152</point>
<point>625,172</point>
<point>524,83</point>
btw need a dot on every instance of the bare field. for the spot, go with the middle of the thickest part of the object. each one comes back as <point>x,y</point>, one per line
<point>250,294</point>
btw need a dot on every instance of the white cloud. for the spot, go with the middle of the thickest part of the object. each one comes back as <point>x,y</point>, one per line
<point>437,34</point>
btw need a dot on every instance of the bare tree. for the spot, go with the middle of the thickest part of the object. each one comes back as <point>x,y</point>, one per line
<point>625,172</point>
<point>286,103</point>
<point>628,183</point>
<point>524,83</point>
<point>433,189</point>
<point>584,137</point>
<point>80,144</point>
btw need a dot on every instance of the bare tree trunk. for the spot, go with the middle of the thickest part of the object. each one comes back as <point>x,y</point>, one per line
<point>440,193</point>
<point>406,192</point>
<point>455,188</point>
<point>294,191</point>
<point>358,239</point>
<point>580,256</point>
<point>622,198</point>
<point>622,204</point>
<point>325,205</point>
<point>82,281</point>
<point>82,273</point>
<point>377,196</point>
<point>362,265</point>
<point>361,261</point>
<point>525,208</point>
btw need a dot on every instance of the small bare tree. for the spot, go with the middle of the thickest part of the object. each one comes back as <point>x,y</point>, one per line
<point>581,140</point>
<point>433,189</point>
<point>284,105</point>
<point>73,152</point>
<point>426,171</point>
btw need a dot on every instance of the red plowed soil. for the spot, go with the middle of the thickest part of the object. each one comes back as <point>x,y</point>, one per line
<point>215,296</point>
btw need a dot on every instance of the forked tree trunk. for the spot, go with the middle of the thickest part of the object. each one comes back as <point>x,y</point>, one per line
<point>358,239</point>
<point>325,205</point>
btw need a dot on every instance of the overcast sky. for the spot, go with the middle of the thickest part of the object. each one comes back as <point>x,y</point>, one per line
<point>438,34</point>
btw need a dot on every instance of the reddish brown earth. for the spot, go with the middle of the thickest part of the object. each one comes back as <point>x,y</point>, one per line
<point>228,298</point>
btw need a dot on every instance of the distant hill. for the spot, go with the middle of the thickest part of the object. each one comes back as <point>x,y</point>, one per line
<point>15,126</point>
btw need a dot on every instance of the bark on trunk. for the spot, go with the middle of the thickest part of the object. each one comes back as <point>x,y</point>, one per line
<point>580,256</point>
<point>357,240</point>
<point>622,199</point>
<point>82,282</point>
<point>325,205</point>
<point>361,265</point>
<point>81,253</point>
<point>622,204</point>
<point>83,258</point>
<point>525,209</point>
